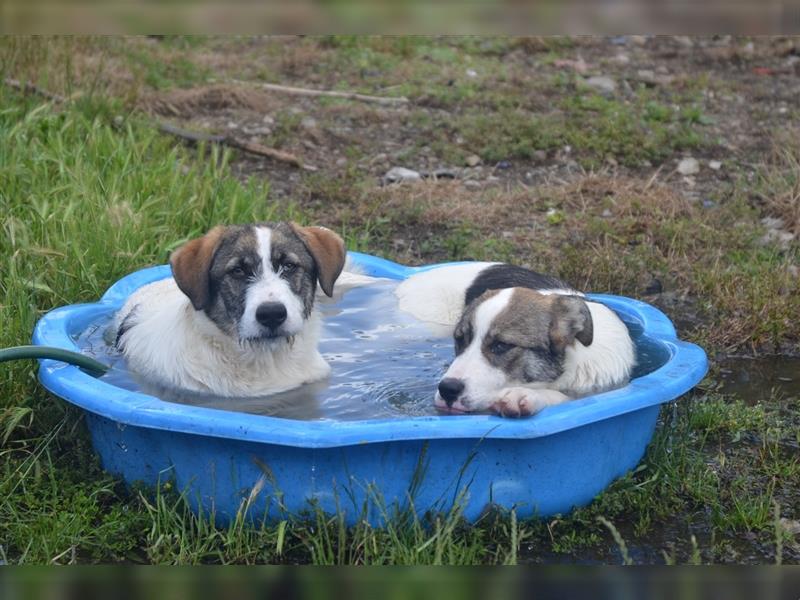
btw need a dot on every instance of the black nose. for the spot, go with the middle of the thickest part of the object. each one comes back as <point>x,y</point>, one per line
<point>450,388</point>
<point>271,314</point>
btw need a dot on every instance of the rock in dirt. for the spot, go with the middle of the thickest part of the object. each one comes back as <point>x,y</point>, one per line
<point>579,65</point>
<point>776,234</point>
<point>257,130</point>
<point>602,84</point>
<point>653,287</point>
<point>785,239</point>
<point>688,166</point>
<point>473,160</point>
<point>397,174</point>
<point>791,526</point>
<point>772,222</point>
<point>714,165</point>
<point>650,78</point>
<point>471,184</point>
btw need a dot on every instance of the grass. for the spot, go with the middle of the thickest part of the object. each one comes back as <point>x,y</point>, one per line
<point>779,189</point>
<point>101,65</point>
<point>89,192</point>
<point>596,129</point>
<point>83,202</point>
<point>118,199</point>
<point>496,107</point>
<point>601,233</point>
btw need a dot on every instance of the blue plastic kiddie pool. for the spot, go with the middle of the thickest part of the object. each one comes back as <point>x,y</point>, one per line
<point>546,464</point>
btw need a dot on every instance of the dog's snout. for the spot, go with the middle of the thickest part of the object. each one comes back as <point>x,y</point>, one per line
<point>271,314</point>
<point>450,388</point>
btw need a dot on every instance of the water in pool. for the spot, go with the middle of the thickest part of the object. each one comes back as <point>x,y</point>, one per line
<point>384,363</point>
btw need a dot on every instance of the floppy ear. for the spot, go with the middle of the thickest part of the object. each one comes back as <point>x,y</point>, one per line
<point>191,263</point>
<point>571,321</point>
<point>328,251</point>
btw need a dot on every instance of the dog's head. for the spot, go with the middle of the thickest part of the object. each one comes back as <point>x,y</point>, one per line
<point>257,282</point>
<point>509,337</point>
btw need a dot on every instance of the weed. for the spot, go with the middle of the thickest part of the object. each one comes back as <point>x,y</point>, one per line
<point>779,182</point>
<point>83,204</point>
<point>623,548</point>
<point>593,126</point>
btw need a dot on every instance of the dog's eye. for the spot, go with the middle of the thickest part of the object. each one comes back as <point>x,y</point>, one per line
<point>461,337</point>
<point>459,343</point>
<point>288,267</point>
<point>499,347</point>
<point>237,271</point>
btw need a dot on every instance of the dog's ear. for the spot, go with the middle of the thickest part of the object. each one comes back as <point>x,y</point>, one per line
<point>328,251</point>
<point>571,321</point>
<point>191,263</point>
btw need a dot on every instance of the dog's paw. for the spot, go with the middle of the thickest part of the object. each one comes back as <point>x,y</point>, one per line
<point>523,402</point>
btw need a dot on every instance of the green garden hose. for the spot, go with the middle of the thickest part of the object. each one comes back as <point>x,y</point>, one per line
<point>86,363</point>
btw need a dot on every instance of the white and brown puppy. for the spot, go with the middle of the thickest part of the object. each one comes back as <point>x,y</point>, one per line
<point>523,341</point>
<point>237,318</point>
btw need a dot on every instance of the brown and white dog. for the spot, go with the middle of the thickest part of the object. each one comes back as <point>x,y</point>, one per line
<point>237,318</point>
<point>523,341</point>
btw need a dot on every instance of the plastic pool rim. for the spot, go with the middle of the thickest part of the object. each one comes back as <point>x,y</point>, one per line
<point>685,367</point>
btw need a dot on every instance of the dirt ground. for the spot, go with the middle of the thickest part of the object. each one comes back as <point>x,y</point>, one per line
<point>746,89</point>
<point>570,155</point>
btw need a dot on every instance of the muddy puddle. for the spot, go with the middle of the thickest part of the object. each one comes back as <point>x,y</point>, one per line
<point>752,380</point>
<point>755,380</point>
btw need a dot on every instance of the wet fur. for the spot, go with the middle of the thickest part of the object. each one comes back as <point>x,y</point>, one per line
<point>197,331</point>
<point>554,343</point>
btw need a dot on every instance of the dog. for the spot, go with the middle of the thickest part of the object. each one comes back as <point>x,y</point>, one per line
<point>237,316</point>
<point>523,340</point>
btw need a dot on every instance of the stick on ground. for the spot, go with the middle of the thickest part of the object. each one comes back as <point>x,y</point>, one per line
<point>225,140</point>
<point>334,94</point>
<point>190,136</point>
<point>28,88</point>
